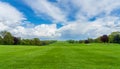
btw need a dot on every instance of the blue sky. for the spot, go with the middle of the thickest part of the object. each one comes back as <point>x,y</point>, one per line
<point>60,19</point>
<point>27,11</point>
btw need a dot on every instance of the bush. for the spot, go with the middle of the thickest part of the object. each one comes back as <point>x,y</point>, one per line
<point>116,39</point>
<point>71,41</point>
<point>81,41</point>
<point>104,38</point>
<point>86,41</point>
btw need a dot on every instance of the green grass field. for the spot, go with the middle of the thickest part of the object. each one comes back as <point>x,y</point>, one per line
<point>61,55</point>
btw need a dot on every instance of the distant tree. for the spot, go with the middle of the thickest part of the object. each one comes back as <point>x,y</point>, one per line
<point>31,42</point>
<point>90,40</point>
<point>86,41</point>
<point>71,41</point>
<point>113,36</point>
<point>36,41</point>
<point>25,42</point>
<point>104,38</point>
<point>116,39</point>
<point>8,39</point>
<point>45,43</point>
<point>81,41</point>
<point>97,40</point>
<point>17,40</point>
<point>52,41</point>
<point>1,40</point>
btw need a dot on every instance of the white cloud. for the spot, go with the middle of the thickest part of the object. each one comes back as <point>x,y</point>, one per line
<point>93,29</point>
<point>105,23</point>
<point>3,27</point>
<point>10,15</point>
<point>80,28</point>
<point>43,31</point>
<point>45,7</point>
<point>13,20</point>
<point>96,7</point>
<point>88,8</point>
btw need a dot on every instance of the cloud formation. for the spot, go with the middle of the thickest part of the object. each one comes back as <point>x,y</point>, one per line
<point>14,21</point>
<point>41,7</point>
<point>9,16</point>
<point>80,19</point>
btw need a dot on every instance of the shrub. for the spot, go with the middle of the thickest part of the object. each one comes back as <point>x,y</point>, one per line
<point>71,41</point>
<point>86,41</point>
<point>104,38</point>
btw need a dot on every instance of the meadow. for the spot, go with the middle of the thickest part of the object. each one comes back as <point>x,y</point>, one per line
<point>61,55</point>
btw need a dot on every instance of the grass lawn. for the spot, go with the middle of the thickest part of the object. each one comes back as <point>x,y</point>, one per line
<point>61,55</point>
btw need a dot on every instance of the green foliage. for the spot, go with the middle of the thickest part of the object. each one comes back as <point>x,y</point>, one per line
<point>86,41</point>
<point>104,38</point>
<point>36,41</point>
<point>116,39</point>
<point>113,36</point>
<point>91,40</point>
<point>47,42</point>
<point>26,42</point>
<point>1,40</point>
<point>8,39</point>
<point>81,41</point>
<point>97,40</point>
<point>73,41</point>
<point>17,40</point>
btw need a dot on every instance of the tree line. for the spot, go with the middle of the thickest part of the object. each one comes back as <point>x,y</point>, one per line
<point>6,38</point>
<point>114,37</point>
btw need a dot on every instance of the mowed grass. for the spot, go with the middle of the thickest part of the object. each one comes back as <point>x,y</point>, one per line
<point>61,55</point>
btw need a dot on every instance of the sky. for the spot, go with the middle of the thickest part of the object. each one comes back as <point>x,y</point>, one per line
<point>60,19</point>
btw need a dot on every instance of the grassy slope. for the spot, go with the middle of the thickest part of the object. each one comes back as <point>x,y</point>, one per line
<point>61,56</point>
